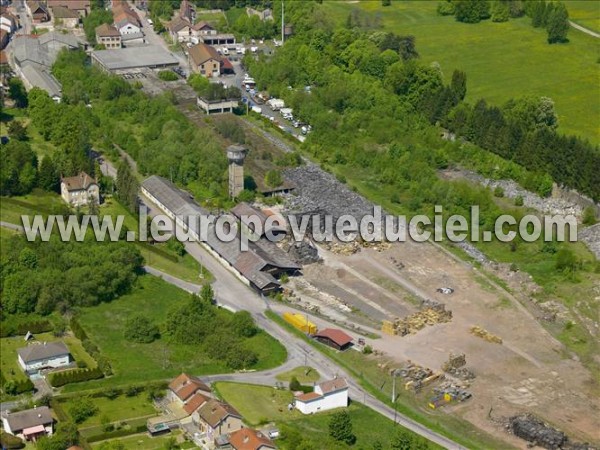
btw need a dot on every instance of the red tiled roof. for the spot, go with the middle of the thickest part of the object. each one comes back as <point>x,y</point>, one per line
<point>308,397</point>
<point>333,385</point>
<point>201,53</point>
<point>195,402</point>
<point>337,336</point>
<point>184,386</point>
<point>79,182</point>
<point>249,439</point>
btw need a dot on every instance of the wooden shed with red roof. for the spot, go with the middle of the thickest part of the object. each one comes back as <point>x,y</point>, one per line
<point>334,338</point>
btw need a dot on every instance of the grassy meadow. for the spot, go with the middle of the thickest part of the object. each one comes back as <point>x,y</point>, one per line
<point>135,363</point>
<point>503,60</point>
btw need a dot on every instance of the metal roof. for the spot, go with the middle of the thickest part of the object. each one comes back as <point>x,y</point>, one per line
<point>40,78</point>
<point>37,352</point>
<point>134,57</point>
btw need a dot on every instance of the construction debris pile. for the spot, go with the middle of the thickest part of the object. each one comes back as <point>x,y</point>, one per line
<point>304,253</point>
<point>455,366</point>
<point>534,430</point>
<point>342,248</point>
<point>430,315</point>
<point>485,334</point>
<point>417,376</point>
<point>448,392</point>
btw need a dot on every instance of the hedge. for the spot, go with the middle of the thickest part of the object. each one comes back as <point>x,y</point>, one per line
<point>58,379</point>
<point>117,433</point>
<point>90,347</point>
<point>20,329</point>
<point>58,409</point>
<point>8,441</point>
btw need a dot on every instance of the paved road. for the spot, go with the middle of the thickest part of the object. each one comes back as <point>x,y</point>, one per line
<point>584,29</point>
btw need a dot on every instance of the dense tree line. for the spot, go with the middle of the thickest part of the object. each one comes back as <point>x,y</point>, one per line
<point>150,129</point>
<point>44,276</point>
<point>551,15</point>
<point>58,379</point>
<point>357,122</point>
<point>221,336</point>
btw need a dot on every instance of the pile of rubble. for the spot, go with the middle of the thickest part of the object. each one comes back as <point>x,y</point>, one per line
<point>455,366</point>
<point>454,391</point>
<point>534,430</point>
<point>398,264</point>
<point>416,376</point>
<point>304,252</point>
<point>430,315</point>
<point>591,237</point>
<point>485,334</point>
<point>538,433</point>
<point>320,192</point>
<point>342,248</point>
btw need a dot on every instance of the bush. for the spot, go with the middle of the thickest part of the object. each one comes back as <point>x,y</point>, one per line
<point>367,350</point>
<point>295,384</point>
<point>140,329</point>
<point>589,216</point>
<point>519,200</point>
<point>498,192</point>
<point>8,441</point>
<point>83,409</point>
<point>167,75</point>
<point>16,387</point>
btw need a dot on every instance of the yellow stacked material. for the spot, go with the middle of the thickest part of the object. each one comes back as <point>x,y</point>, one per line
<point>300,321</point>
<point>485,334</point>
<point>419,320</point>
<point>388,327</point>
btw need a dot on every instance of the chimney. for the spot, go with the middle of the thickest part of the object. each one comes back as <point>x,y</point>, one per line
<point>246,439</point>
<point>39,416</point>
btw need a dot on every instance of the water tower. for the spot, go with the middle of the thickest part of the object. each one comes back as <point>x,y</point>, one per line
<point>236,155</point>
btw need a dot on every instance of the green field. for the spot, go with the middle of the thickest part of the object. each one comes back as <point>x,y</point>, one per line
<point>502,60</point>
<point>115,410</point>
<point>158,360</point>
<point>140,441</point>
<point>8,349</point>
<point>37,202</point>
<point>585,13</point>
<point>263,404</point>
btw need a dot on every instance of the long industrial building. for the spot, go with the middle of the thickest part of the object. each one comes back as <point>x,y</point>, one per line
<point>123,59</point>
<point>259,267</point>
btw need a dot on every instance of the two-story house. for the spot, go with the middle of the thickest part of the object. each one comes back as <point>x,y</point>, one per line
<point>326,395</point>
<point>205,60</point>
<point>215,418</point>
<point>108,36</point>
<point>182,388</point>
<point>49,355</point>
<point>80,189</point>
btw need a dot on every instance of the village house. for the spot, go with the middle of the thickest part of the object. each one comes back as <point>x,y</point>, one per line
<point>65,16</point>
<point>30,424</point>
<point>8,22</point>
<point>245,439</point>
<point>108,36</point>
<point>334,338</point>
<point>205,60</point>
<point>326,395</point>
<point>81,7</point>
<point>215,418</point>
<point>80,189</point>
<point>182,388</point>
<point>127,22</point>
<point>38,11</point>
<point>38,356</point>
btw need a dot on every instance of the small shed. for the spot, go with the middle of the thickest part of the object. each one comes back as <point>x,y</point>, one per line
<point>334,338</point>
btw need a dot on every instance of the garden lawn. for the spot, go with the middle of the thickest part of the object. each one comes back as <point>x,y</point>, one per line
<point>120,408</point>
<point>139,441</point>
<point>159,360</point>
<point>502,60</point>
<point>258,404</point>
<point>263,404</point>
<point>8,349</point>
<point>36,202</point>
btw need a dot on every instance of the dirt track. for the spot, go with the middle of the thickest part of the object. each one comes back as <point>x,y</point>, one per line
<point>530,372</point>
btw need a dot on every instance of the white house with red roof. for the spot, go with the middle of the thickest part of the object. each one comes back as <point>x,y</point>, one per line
<point>325,396</point>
